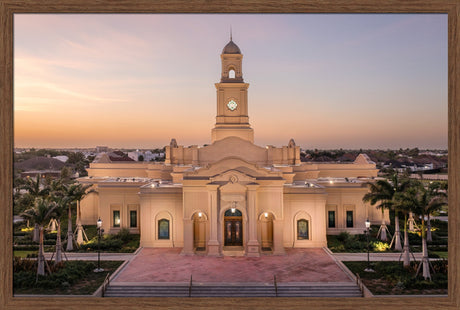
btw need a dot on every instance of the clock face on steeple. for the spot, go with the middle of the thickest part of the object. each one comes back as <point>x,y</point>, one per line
<point>232,105</point>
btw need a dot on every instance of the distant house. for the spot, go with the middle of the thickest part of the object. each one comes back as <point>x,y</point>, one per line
<point>45,166</point>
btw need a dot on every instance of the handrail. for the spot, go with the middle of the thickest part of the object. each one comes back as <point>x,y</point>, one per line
<point>190,287</point>
<point>106,283</point>
<point>360,283</point>
<point>276,285</point>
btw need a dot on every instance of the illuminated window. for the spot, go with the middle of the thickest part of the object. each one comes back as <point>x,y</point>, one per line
<point>116,218</point>
<point>302,229</point>
<point>133,219</point>
<point>163,229</point>
<point>231,74</point>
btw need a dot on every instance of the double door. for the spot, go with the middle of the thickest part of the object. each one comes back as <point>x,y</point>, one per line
<point>233,232</point>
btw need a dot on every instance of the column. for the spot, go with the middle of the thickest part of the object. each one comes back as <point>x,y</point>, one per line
<point>213,243</point>
<point>188,237</point>
<point>278,248</point>
<point>253,247</point>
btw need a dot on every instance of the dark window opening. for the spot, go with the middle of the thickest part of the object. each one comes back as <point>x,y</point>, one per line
<point>133,219</point>
<point>349,218</point>
<point>331,219</point>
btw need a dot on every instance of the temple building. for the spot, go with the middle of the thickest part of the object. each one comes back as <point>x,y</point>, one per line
<point>231,197</point>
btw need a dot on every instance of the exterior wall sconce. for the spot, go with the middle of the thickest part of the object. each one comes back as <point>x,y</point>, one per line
<point>233,210</point>
<point>266,214</point>
<point>200,214</point>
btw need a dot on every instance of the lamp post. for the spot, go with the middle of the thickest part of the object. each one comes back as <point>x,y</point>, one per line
<point>99,235</point>
<point>368,268</point>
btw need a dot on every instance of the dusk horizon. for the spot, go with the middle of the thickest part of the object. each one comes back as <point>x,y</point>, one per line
<point>372,81</point>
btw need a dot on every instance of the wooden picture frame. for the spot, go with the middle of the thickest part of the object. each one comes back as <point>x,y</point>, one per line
<point>9,7</point>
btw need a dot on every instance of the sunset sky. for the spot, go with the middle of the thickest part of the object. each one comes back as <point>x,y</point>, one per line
<point>136,81</point>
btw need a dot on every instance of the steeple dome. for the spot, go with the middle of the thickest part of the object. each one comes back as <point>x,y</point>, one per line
<point>231,48</point>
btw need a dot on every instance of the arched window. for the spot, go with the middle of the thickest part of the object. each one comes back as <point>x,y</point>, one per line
<point>163,229</point>
<point>302,229</point>
<point>233,212</point>
<point>231,74</point>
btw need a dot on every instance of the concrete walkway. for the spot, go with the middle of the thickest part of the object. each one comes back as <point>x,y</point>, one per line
<point>93,256</point>
<point>344,257</point>
<point>375,257</point>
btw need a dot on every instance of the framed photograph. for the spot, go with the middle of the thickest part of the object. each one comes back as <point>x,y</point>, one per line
<point>140,75</point>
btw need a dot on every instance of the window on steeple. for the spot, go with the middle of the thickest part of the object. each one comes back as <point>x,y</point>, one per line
<point>231,74</point>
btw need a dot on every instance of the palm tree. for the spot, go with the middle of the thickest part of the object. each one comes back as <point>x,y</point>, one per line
<point>75,192</point>
<point>436,188</point>
<point>380,191</point>
<point>423,201</point>
<point>400,201</point>
<point>384,191</point>
<point>79,194</point>
<point>40,214</point>
<point>36,189</point>
<point>61,205</point>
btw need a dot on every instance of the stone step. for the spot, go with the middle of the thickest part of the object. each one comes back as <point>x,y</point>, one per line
<point>316,290</point>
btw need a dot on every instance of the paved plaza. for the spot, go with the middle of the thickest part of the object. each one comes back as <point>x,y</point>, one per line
<point>153,265</point>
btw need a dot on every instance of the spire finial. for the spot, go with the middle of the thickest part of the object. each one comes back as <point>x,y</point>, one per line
<point>230,32</point>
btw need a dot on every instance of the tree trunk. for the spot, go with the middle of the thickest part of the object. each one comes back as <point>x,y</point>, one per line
<point>78,212</point>
<point>383,230</point>
<point>425,261</point>
<point>79,227</point>
<point>398,246</point>
<point>36,236</point>
<point>411,221</point>
<point>69,231</point>
<point>41,255</point>
<point>58,243</point>
<point>428,229</point>
<point>52,225</point>
<point>406,257</point>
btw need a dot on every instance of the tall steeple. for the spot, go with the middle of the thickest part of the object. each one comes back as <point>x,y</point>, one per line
<point>232,97</point>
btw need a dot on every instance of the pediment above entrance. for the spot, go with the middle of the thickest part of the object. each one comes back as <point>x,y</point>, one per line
<point>232,147</point>
<point>223,168</point>
<point>233,177</point>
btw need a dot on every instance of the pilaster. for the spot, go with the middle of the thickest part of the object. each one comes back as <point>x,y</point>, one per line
<point>213,243</point>
<point>253,246</point>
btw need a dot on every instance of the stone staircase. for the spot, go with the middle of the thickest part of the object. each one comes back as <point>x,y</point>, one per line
<point>346,289</point>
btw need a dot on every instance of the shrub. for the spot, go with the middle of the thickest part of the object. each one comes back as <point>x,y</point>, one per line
<point>380,246</point>
<point>123,235</point>
<point>24,265</point>
<point>343,236</point>
<point>63,274</point>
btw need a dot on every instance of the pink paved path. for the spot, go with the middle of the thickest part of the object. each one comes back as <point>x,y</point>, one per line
<point>167,265</point>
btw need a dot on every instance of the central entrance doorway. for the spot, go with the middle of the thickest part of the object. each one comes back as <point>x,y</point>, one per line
<point>233,228</point>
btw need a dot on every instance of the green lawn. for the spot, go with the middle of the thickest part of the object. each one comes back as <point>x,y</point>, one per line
<point>441,254</point>
<point>23,254</point>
